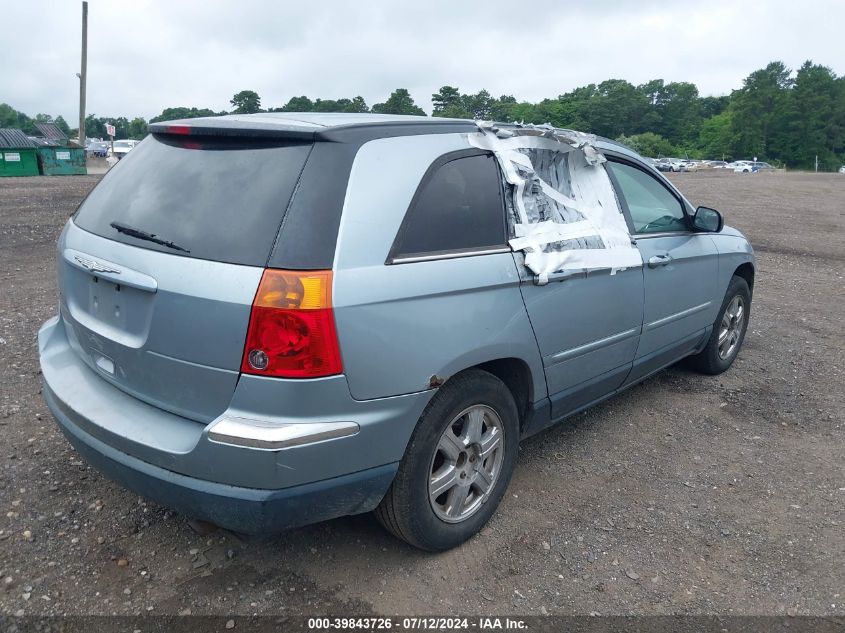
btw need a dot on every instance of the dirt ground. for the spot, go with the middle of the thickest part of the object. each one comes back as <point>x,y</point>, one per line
<point>686,494</point>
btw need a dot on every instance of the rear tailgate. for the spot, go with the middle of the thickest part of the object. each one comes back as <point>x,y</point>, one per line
<point>158,270</point>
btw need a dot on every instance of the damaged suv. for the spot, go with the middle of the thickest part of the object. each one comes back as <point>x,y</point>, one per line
<point>271,320</point>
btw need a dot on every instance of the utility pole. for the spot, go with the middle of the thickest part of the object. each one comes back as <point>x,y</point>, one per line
<point>817,163</point>
<point>83,73</point>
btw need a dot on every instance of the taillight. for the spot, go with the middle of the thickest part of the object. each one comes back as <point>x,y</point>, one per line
<point>291,329</point>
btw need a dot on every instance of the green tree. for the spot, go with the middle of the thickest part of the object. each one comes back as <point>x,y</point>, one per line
<point>358,105</point>
<point>507,110</point>
<point>9,117</point>
<point>297,104</point>
<point>776,115</point>
<point>62,125</point>
<point>674,110</point>
<point>502,108</point>
<point>681,113</point>
<point>717,138</point>
<point>656,97</point>
<point>818,98</point>
<point>246,102</point>
<point>616,107</point>
<point>761,111</point>
<point>305,104</point>
<point>448,102</point>
<point>95,127</point>
<point>479,106</point>
<point>711,106</point>
<point>137,128</point>
<point>648,144</point>
<point>181,112</point>
<point>399,102</point>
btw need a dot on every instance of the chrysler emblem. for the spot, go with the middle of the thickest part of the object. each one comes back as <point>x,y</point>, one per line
<point>95,267</point>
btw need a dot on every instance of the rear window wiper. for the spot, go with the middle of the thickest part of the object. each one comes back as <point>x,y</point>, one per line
<point>142,235</point>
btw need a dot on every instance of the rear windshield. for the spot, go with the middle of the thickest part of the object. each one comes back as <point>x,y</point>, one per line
<point>209,198</point>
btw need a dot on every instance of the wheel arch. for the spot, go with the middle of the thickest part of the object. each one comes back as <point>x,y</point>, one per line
<point>517,376</point>
<point>746,271</point>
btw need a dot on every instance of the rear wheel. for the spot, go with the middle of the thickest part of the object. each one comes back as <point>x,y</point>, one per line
<point>728,330</point>
<point>457,465</point>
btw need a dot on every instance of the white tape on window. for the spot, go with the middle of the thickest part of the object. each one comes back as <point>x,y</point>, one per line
<point>560,230</point>
<point>583,259</point>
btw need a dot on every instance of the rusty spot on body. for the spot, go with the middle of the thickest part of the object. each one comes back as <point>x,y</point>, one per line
<point>435,381</point>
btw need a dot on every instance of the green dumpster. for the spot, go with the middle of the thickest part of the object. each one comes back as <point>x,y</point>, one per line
<point>17,154</point>
<point>61,161</point>
<point>57,156</point>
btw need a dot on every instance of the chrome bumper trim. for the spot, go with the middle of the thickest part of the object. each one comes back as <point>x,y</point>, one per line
<point>272,435</point>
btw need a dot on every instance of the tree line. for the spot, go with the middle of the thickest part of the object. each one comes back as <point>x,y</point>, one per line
<point>777,115</point>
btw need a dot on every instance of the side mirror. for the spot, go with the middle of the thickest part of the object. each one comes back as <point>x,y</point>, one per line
<point>707,219</point>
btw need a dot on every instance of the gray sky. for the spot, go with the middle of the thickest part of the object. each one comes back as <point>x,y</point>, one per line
<point>146,55</point>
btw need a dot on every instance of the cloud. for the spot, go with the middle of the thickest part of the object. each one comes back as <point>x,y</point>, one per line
<point>147,55</point>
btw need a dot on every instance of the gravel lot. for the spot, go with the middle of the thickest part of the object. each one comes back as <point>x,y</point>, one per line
<point>686,494</point>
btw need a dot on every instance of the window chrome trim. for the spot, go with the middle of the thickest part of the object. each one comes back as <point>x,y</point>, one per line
<point>645,236</point>
<point>412,259</point>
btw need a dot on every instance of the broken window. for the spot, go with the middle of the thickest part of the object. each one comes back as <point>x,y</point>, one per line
<point>562,208</point>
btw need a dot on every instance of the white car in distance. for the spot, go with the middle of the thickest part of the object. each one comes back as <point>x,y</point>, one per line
<point>122,148</point>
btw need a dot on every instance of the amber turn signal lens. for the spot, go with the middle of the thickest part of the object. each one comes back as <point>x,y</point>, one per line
<point>295,290</point>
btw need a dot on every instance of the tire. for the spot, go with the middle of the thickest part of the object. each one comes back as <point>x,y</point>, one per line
<point>445,522</point>
<point>716,358</point>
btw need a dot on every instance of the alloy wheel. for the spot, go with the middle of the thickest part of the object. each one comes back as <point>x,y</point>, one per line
<point>466,463</point>
<point>730,329</point>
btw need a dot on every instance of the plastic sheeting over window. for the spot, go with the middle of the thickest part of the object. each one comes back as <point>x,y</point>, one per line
<point>562,206</point>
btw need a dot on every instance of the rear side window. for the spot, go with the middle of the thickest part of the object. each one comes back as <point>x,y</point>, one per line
<point>457,207</point>
<point>204,197</point>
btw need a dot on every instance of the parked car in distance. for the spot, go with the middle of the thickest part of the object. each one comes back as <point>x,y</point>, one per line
<point>842,169</point>
<point>717,164</point>
<point>96,147</point>
<point>738,164</point>
<point>672,164</point>
<point>259,335</point>
<point>752,167</point>
<point>123,147</point>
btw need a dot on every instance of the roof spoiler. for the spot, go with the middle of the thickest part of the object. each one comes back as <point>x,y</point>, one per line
<point>231,129</point>
<point>293,130</point>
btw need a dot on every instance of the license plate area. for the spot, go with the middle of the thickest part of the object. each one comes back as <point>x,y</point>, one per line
<point>109,311</point>
<point>107,302</point>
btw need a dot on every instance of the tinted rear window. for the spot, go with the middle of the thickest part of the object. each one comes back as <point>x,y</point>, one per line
<point>218,199</point>
<point>458,207</point>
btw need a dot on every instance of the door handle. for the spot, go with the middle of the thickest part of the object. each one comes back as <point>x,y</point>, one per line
<point>542,280</point>
<point>659,260</point>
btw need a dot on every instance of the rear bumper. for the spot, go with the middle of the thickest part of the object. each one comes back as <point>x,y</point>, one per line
<point>181,464</point>
<point>249,510</point>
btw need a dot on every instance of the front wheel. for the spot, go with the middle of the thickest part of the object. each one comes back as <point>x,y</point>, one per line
<point>728,330</point>
<point>457,466</point>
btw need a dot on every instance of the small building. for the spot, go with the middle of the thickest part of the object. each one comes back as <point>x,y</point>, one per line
<point>17,154</point>
<point>57,156</point>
